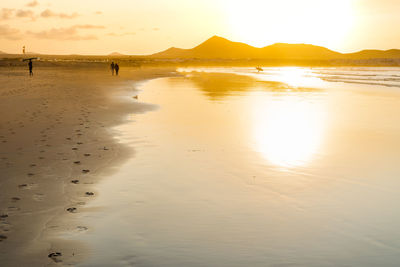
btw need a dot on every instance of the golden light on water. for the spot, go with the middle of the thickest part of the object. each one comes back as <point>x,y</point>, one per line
<point>287,130</point>
<point>293,76</point>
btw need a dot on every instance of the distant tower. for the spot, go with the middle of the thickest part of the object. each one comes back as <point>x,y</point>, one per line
<point>23,50</point>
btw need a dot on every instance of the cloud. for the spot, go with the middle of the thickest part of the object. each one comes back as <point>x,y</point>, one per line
<point>25,14</point>
<point>70,16</point>
<point>147,29</point>
<point>49,14</point>
<point>98,13</point>
<point>70,33</point>
<point>6,13</point>
<point>121,34</point>
<point>6,32</point>
<point>89,26</point>
<point>32,4</point>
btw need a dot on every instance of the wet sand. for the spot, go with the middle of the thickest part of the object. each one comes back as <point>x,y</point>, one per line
<point>56,141</point>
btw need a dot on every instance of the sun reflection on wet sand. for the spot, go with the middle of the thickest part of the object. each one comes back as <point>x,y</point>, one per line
<point>287,129</point>
<point>293,76</point>
<point>239,173</point>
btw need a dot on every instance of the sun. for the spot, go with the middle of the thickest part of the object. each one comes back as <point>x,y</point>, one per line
<point>262,22</point>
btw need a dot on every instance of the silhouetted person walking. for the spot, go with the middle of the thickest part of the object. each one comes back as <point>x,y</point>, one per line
<point>116,69</point>
<point>30,67</point>
<point>112,68</point>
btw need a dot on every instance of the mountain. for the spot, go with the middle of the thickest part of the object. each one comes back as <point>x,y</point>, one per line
<point>297,51</point>
<point>31,53</point>
<point>116,54</point>
<point>368,54</point>
<point>221,48</point>
<point>215,47</point>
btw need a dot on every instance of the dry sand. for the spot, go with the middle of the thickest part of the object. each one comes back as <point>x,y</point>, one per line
<point>56,139</point>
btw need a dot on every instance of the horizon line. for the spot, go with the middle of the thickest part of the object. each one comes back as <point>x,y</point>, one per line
<point>2,52</point>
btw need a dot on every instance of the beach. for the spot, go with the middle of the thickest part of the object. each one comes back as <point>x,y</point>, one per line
<point>56,141</point>
<point>199,133</point>
<point>199,166</point>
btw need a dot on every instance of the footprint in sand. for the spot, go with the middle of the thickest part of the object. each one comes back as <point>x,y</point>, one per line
<point>5,226</point>
<point>15,199</point>
<point>27,186</point>
<point>85,171</point>
<point>55,256</point>
<point>74,148</point>
<point>82,228</point>
<point>77,162</point>
<point>2,238</point>
<point>87,155</point>
<point>89,194</point>
<point>38,197</point>
<point>75,181</point>
<point>30,174</point>
<point>71,210</point>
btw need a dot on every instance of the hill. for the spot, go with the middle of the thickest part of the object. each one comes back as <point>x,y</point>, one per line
<point>116,54</point>
<point>221,48</point>
<point>369,54</point>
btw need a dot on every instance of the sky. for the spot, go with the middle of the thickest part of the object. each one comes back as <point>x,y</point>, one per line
<point>140,27</point>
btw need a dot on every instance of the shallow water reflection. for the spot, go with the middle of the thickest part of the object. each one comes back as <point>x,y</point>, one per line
<point>288,129</point>
<point>252,176</point>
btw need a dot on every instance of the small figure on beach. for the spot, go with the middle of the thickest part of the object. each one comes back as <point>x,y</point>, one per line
<point>30,67</point>
<point>112,67</point>
<point>116,69</point>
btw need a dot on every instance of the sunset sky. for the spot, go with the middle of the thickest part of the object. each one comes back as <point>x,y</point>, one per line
<point>145,27</point>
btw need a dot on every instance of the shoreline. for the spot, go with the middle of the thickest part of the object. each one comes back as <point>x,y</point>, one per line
<point>58,129</point>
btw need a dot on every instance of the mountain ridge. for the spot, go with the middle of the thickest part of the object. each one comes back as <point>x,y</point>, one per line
<point>221,48</point>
